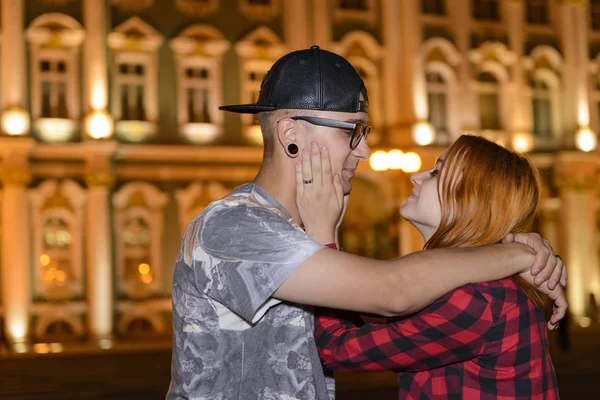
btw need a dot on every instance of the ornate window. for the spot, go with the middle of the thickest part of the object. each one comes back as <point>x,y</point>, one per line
<point>365,54</point>
<point>440,58</point>
<point>489,102</point>
<point>260,10</point>
<point>545,65</point>
<point>192,200</point>
<point>541,102</point>
<point>355,10</point>
<point>488,10</point>
<point>54,43</point>
<point>537,12</point>
<point>134,45</point>
<point>437,96</point>
<point>199,50</point>
<point>257,52</point>
<point>434,7</point>
<point>58,220</point>
<point>139,224</point>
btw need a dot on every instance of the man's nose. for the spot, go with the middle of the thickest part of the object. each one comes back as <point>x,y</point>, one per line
<point>362,151</point>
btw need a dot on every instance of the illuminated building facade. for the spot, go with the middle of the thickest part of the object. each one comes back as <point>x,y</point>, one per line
<point>112,139</point>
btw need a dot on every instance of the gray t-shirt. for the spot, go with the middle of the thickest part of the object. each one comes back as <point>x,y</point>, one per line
<point>231,339</point>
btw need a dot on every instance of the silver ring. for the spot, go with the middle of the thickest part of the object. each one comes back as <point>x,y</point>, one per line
<point>307,181</point>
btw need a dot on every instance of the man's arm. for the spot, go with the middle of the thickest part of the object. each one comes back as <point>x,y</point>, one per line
<point>335,279</point>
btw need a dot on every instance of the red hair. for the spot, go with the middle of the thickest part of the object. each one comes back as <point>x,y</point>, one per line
<point>485,192</point>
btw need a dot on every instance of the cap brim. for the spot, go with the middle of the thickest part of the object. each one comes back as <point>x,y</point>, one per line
<point>247,108</point>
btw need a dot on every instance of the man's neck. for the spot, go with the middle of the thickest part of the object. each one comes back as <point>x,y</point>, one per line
<point>281,187</point>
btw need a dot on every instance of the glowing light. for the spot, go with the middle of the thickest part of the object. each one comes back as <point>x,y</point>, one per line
<point>254,134</point>
<point>20,347</point>
<point>395,158</point>
<point>522,141</point>
<point>201,133</point>
<point>105,344</point>
<point>144,269</point>
<point>61,276</point>
<point>15,121</point>
<point>147,278</point>
<point>585,139</point>
<point>55,129</point>
<point>412,162</point>
<point>379,161</point>
<point>134,131</point>
<point>45,260</point>
<point>99,125</point>
<point>56,348</point>
<point>585,322</point>
<point>98,94</point>
<point>423,133</point>
<point>41,348</point>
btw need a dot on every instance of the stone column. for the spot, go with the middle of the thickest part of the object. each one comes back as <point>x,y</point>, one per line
<point>516,39</point>
<point>322,22</point>
<point>95,82</point>
<point>460,15</point>
<point>99,178</point>
<point>295,24</point>
<point>577,178</point>
<point>15,267</point>
<point>573,25</point>
<point>13,86</point>
<point>406,92</point>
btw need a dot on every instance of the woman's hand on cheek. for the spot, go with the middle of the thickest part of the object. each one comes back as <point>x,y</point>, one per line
<point>319,194</point>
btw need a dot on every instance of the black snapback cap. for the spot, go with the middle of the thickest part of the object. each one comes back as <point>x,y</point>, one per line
<point>312,79</point>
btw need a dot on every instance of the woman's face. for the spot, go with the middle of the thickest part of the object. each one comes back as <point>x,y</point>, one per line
<point>422,207</point>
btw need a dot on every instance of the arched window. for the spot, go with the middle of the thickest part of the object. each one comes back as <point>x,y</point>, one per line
<point>486,9</point>
<point>437,97</point>
<point>434,7</point>
<point>139,223</point>
<point>537,12</point>
<point>489,102</point>
<point>541,102</point>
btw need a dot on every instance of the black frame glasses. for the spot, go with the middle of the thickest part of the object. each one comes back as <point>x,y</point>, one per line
<point>359,131</point>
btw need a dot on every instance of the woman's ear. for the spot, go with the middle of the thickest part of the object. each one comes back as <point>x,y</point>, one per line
<point>286,134</point>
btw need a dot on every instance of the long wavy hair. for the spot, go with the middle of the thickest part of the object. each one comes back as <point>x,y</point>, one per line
<point>485,192</point>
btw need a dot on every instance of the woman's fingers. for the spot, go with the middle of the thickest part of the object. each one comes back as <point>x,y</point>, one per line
<point>326,165</point>
<point>339,190</point>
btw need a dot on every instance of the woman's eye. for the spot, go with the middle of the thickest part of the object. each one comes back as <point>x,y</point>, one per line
<point>434,173</point>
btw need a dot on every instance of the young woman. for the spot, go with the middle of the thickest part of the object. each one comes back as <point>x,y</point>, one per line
<point>482,341</point>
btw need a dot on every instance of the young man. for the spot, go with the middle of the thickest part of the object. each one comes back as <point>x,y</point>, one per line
<point>247,273</point>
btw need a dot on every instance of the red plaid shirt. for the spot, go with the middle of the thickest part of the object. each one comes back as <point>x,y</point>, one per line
<point>481,341</point>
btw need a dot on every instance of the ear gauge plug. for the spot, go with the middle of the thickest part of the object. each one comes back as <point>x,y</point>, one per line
<point>292,150</point>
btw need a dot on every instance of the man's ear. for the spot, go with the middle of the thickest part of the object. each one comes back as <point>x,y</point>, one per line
<point>286,133</point>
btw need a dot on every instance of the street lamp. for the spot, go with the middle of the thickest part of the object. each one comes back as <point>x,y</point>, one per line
<point>585,139</point>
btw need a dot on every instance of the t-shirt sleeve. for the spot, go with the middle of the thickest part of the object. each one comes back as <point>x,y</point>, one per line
<point>242,255</point>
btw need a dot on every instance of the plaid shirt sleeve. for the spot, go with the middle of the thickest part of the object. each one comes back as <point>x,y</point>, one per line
<point>448,331</point>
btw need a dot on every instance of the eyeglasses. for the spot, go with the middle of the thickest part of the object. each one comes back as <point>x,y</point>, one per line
<point>358,130</point>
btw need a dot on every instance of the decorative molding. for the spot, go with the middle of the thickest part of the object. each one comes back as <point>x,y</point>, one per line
<point>149,310</point>
<point>195,8</point>
<point>442,50</point>
<point>368,14</point>
<point>48,313</point>
<point>493,51</point>
<point>132,6</point>
<point>260,12</point>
